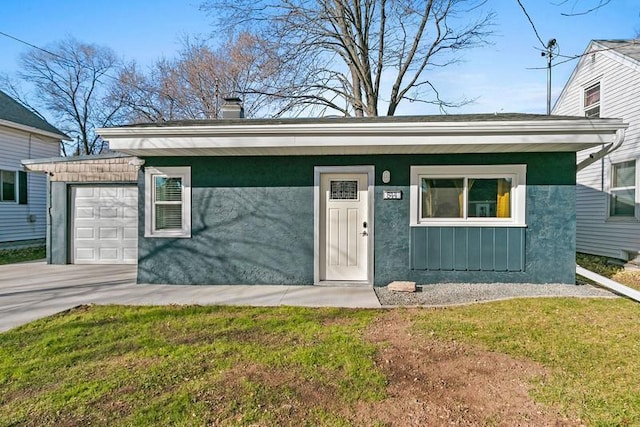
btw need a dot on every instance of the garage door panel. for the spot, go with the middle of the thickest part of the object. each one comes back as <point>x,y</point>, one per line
<point>105,225</point>
<point>130,254</point>
<point>84,233</point>
<point>83,212</point>
<point>108,254</point>
<point>108,192</point>
<point>85,192</point>
<point>84,254</point>
<point>131,193</point>
<point>108,233</point>
<point>130,212</point>
<point>108,213</point>
<point>130,233</point>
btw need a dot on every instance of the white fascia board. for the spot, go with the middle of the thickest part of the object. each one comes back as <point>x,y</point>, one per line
<point>302,142</point>
<point>363,138</point>
<point>393,128</point>
<point>29,129</point>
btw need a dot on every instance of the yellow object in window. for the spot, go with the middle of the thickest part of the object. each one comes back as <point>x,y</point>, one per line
<point>503,208</point>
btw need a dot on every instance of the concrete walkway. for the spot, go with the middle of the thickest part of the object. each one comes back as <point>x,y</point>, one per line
<point>30,291</point>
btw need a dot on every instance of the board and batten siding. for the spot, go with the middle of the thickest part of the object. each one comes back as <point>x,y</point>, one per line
<point>619,91</point>
<point>468,248</point>
<point>28,221</point>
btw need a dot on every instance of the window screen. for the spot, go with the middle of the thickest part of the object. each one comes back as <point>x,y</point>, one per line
<point>168,203</point>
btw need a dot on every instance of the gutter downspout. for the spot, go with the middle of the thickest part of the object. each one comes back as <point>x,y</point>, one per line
<point>609,284</point>
<point>607,149</point>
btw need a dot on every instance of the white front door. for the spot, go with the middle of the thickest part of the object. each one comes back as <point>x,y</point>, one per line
<point>344,227</point>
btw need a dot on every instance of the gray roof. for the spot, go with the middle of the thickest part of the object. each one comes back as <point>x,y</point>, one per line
<point>12,111</point>
<point>81,158</point>
<point>627,47</point>
<point>381,119</point>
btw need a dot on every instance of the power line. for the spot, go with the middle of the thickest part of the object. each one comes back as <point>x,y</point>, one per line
<point>532,24</point>
<point>30,45</point>
<point>571,58</point>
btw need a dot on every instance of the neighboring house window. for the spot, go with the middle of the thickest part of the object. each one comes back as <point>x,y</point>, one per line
<point>592,101</point>
<point>468,195</point>
<point>13,186</point>
<point>8,186</point>
<point>622,193</point>
<point>168,202</point>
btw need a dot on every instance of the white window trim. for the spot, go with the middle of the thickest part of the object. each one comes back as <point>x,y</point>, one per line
<point>517,173</point>
<point>183,172</point>
<point>16,186</point>
<point>610,188</point>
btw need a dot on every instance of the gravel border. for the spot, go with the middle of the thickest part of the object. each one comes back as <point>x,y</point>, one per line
<point>450,294</point>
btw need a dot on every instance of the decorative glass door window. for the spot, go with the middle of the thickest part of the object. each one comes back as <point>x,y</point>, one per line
<point>343,190</point>
<point>622,194</point>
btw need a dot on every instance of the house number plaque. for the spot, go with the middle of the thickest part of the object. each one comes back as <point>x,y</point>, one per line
<point>392,195</point>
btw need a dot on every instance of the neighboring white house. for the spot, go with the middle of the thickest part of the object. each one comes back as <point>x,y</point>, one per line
<point>23,135</point>
<point>606,83</point>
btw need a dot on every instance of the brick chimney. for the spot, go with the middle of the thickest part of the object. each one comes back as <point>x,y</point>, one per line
<point>232,108</point>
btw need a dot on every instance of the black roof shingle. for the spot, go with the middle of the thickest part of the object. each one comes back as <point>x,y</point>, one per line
<point>12,111</point>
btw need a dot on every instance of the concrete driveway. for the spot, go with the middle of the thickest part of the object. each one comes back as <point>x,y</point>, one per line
<point>29,291</point>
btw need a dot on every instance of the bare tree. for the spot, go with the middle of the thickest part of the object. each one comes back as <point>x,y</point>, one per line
<point>353,56</point>
<point>193,85</point>
<point>582,7</point>
<point>69,78</point>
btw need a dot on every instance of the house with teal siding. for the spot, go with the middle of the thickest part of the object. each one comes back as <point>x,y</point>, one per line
<point>363,201</point>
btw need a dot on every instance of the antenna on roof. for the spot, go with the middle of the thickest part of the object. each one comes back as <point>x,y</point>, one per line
<point>551,45</point>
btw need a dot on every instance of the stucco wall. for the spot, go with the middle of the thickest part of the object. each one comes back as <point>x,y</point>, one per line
<point>252,221</point>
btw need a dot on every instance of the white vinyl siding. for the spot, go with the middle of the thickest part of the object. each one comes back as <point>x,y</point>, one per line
<point>597,232</point>
<point>25,221</point>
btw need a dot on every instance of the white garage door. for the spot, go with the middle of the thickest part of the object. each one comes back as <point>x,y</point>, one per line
<point>104,225</point>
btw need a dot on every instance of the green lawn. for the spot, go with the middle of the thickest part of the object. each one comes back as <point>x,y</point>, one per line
<point>591,346</point>
<point>10,256</point>
<point>186,366</point>
<point>296,366</point>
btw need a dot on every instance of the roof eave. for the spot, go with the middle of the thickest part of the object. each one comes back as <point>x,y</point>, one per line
<point>398,128</point>
<point>31,129</point>
<point>326,138</point>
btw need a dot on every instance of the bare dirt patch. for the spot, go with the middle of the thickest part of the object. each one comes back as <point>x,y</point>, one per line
<point>432,382</point>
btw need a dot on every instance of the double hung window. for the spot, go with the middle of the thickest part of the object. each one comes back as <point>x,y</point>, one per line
<point>8,186</point>
<point>168,202</point>
<point>622,192</point>
<point>592,101</point>
<point>468,195</point>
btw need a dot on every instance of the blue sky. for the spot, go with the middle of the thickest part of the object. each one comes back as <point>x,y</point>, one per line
<point>498,76</point>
